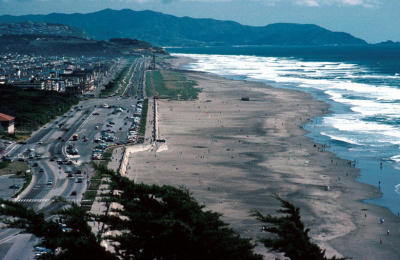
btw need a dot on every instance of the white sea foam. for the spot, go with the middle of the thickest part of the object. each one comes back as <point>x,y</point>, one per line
<point>395,158</point>
<point>397,188</point>
<point>341,138</point>
<point>336,79</point>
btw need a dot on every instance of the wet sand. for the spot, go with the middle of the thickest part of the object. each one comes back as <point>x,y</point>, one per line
<point>234,155</point>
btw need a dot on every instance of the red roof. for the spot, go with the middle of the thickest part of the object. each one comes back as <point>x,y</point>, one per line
<point>5,118</point>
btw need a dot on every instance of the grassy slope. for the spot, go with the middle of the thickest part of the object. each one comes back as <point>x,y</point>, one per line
<point>170,84</point>
<point>143,119</point>
<point>112,86</point>
<point>33,108</point>
<point>12,168</point>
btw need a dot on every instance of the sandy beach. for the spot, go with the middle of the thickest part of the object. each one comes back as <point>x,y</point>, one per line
<point>234,155</point>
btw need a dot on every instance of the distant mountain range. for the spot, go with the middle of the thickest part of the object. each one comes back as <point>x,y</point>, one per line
<point>167,30</point>
<point>389,43</point>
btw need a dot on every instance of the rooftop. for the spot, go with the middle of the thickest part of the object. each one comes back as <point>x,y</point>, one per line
<point>5,118</point>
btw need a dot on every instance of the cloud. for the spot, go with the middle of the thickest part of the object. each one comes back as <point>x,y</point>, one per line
<point>310,3</point>
<point>316,3</point>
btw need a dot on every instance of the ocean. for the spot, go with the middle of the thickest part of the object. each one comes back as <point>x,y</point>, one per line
<point>360,83</point>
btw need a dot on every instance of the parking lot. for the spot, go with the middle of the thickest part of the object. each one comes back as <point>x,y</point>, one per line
<point>107,125</point>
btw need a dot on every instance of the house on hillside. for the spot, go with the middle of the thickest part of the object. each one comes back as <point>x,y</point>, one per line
<point>7,124</point>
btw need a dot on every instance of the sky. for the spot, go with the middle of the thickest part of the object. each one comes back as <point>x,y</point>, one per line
<point>371,20</point>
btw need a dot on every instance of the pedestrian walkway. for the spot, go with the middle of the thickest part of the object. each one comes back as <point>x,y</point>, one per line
<point>44,200</point>
<point>116,158</point>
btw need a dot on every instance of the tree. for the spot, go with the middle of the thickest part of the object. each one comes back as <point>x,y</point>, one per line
<point>70,237</point>
<point>292,237</point>
<point>150,222</point>
<point>164,222</point>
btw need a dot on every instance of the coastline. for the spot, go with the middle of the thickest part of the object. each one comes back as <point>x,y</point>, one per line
<point>233,155</point>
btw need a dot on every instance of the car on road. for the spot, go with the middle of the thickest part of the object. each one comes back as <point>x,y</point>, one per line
<point>50,183</point>
<point>96,114</point>
<point>102,146</point>
<point>110,139</point>
<point>73,151</point>
<point>6,159</point>
<point>15,186</point>
<point>41,170</point>
<point>40,251</point>
<point>97,157</point>
<point>98,151</point>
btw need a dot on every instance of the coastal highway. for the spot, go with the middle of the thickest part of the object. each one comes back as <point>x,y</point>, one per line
<point>48,145</point>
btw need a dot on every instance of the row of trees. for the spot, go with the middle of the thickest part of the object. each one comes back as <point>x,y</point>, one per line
<point>156,222</point>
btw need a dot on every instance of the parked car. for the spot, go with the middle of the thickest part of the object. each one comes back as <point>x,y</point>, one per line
<point>6,159</point>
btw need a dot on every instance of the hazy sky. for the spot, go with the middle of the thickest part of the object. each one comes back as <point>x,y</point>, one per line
<point>372,20</point>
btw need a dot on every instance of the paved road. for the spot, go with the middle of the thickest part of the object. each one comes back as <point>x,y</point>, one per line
<point>50,178</point>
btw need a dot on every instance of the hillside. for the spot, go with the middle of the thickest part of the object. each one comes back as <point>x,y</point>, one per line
<point>168,30</point>
<point>40,28</point>
<point>70,45</point>
<point>33,108</point>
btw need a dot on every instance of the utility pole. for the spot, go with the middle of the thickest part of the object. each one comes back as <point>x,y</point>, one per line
<point>153,65</point>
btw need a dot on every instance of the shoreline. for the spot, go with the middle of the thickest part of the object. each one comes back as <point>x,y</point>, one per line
<point>273,155</point>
